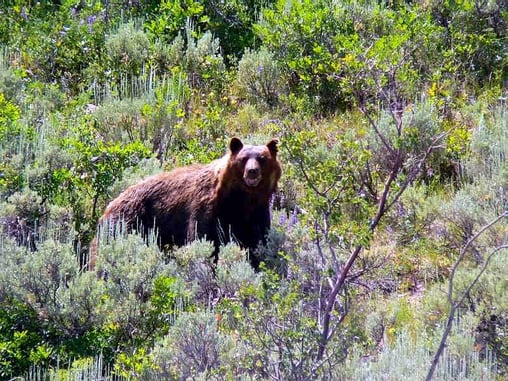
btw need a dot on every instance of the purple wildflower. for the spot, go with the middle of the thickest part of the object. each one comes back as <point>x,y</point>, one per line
<point>282,219</point>
<point>90,20</point>
<point>294,217</point>
<point>24,14</point>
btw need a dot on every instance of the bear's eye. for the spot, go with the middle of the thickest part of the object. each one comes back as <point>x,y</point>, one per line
<point>262,159</point>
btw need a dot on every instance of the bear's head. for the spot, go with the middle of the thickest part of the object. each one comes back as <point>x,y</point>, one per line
<point>256,168</point>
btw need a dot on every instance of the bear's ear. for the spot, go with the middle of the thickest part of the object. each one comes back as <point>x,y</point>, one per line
<point>272,146</point>
<point>235,145</point>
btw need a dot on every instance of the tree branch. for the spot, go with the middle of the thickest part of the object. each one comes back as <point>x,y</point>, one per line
<point>455,305</point>
<point>383,205</point>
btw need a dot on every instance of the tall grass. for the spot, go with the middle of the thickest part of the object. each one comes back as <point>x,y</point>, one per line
<point>408,359</point>
<point>91,369</point>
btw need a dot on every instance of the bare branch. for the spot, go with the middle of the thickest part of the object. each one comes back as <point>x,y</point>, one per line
<point>330,301</point>
<point>454,305</point>
<point>416,169</point>
<point>383,205</point>
<point>352,258</point>
<point>464,250</point>
<point>373,124</point>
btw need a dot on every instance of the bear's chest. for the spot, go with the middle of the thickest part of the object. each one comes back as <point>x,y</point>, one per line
<point>239,206</point>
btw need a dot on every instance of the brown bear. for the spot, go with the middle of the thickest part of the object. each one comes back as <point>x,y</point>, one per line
<point>225,200</point>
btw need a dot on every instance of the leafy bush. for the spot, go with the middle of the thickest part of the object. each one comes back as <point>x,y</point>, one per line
<point>48,282</point>
<point>392,124</point>
<point>21,333</point>
<point>259,76</point>
<point>21,216</point>
<point>58,48</point>
<point>9,116</point>
<point>171,17</point>
<point>332,174</point>
<point>154,119</point>
<point>475,30</point>
<point>301,36</point>
<point>204,62</point>
<point>11,82</point>
<point>408,359</point>
<point>194,347</point>
<point>141,296</point>
<point>128,49</point>
<point>168,56</point>
<point>233,271</point>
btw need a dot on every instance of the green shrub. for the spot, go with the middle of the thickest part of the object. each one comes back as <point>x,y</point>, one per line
<point>166,57</point>
<point>203,62</point>
<point>128,69</point>
<point>482,195</point>
<point>129,268</point>
<point>8,117</point>
<point>301,36</point>
<point>21,333</point>
<point>96,166</point>
<point>331,171</point>
<point>476,31</point>
<point>48,281</point>
<point>260,77</point>
<point>21,216</point>
<point>195,347</point>
<point>488,151</point>
<point>408,359</point>
<point>393,143</point>
<point>59,43</point>
<point>11,81</point>
<point>194,266</point>
<point>127,50</point>
<point>233,271</point>
<point>171,17</point>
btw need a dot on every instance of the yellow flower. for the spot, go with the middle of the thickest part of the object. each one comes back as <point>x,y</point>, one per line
<point>349,58</point>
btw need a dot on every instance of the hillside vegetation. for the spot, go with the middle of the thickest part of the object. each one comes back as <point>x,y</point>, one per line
<point>388,253</point>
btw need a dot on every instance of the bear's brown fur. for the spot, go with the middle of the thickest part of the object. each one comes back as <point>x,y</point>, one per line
<point>225,200</point>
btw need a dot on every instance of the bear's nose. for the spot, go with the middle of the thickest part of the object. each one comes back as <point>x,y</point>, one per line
<point>252,171</point>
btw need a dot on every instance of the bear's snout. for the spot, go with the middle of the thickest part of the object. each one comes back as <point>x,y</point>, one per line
<point>252,173</point>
